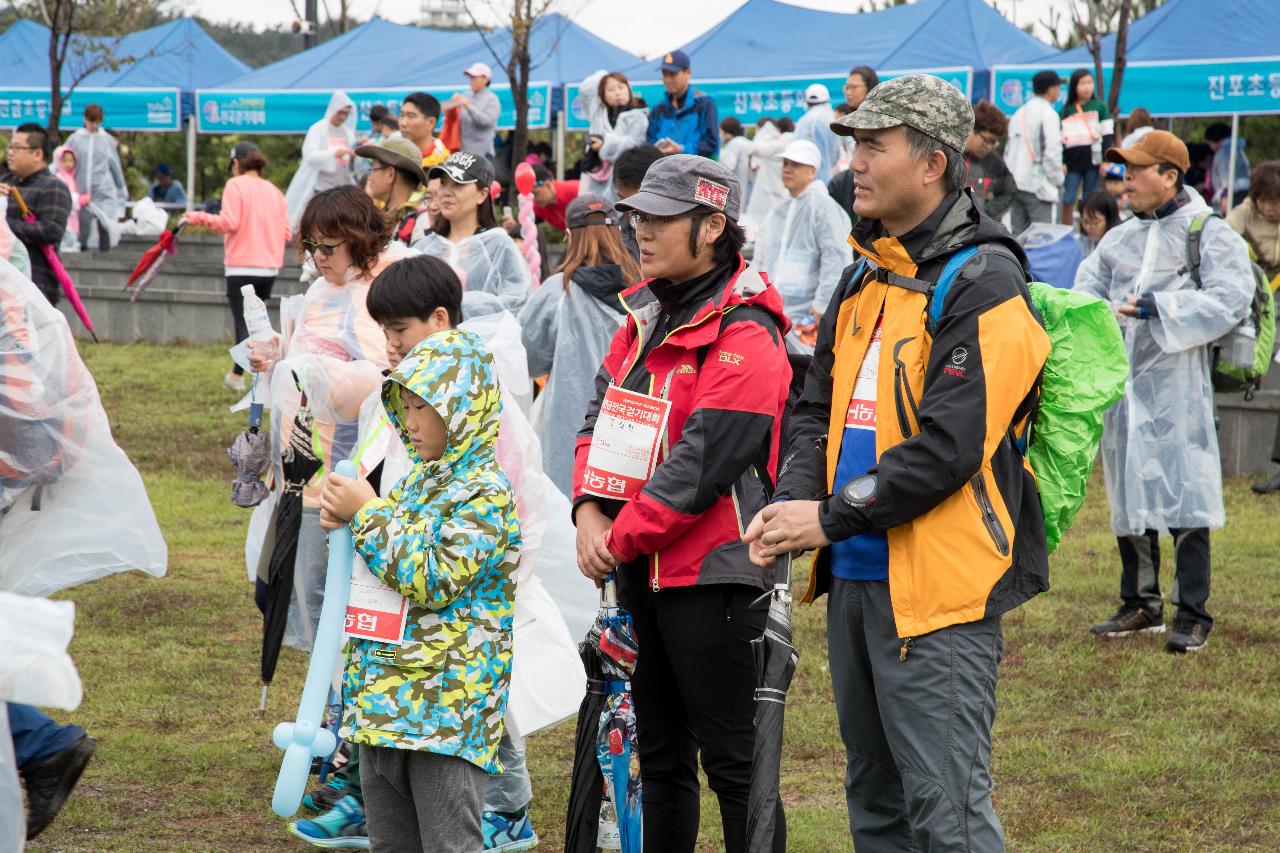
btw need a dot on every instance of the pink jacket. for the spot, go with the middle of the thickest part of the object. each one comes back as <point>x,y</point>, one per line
<point>254,222</point>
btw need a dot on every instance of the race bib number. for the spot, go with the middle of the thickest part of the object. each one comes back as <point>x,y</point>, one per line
<point>625,444</point>
<point>375,611</point>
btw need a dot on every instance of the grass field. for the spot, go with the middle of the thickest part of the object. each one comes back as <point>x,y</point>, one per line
<point>1099,746</point>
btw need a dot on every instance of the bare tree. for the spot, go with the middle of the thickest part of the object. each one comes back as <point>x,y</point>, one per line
<point>84,37</point>
<point>518,25</point>
<point>1093,20</point>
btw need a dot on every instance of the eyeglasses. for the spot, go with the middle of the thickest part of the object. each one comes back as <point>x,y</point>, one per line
<point>13,147</point>
<point>649,222</point>
<point>323,249</point>
<point>989,139</point>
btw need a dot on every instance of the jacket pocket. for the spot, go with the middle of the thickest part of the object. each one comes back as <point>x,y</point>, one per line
<point>990,520</point>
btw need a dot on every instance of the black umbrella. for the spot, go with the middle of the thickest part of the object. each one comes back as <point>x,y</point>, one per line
<point>776,661</point>
<point>300,463</point>
<point>582,823</point>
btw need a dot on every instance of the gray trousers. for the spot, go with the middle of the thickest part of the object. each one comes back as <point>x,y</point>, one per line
<point>415,800</point>
<point>917,733</point>
<point>510,790</point>
<point>1027,208</point>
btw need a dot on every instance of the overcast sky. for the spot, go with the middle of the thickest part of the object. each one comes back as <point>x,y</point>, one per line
<point>647,28</point>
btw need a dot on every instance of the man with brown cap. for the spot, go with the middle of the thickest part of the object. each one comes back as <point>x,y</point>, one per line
<point>396,181</point>
<point>903,467</point>
<point>1159,445</point>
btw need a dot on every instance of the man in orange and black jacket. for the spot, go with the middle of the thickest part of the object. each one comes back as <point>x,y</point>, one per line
<point>904,467</point>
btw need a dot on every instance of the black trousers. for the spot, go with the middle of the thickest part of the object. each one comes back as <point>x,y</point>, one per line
<point>1140,571</point>
<point>86,225</point>
<point>694,690</point>
<point>262,286</point>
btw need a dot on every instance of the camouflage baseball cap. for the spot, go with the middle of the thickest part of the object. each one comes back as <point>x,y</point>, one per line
<point>926,103</point>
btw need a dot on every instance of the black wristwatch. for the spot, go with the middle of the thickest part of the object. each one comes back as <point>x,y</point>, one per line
<point>860,491</point>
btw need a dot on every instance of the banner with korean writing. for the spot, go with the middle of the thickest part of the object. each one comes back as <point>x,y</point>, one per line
<point>125,109</point>
<point>294,111</point>
<point>750,100</point>
<point>1208,88</point>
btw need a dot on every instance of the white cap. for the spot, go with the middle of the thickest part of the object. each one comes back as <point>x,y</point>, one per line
<point>478,69</point>
<point>817,94</point>
<point>804,152</point>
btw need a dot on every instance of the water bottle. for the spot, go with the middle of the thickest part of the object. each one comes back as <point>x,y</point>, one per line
<point>263,340</point>
<point>1241,343</point>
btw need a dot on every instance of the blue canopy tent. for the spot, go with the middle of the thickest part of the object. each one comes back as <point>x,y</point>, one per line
<point>151,88</point>
<point>801,46</point>
<point>1180,63</point>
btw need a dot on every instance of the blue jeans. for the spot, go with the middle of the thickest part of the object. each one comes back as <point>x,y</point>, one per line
<point>1071,185</point>
<point>36,736</point>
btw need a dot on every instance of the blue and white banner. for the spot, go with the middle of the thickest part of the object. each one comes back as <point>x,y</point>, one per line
<point>774,97</point>
<point>294,110</point>
<point>125,109</point>
<point>1200,88</point>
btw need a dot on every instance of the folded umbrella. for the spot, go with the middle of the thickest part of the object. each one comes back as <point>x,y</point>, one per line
<point>300,465</point>
<point>776,660</point>
<point>55,264</point>
<point>605,785</point>
<point>152,260</point>
<point>251,455</point>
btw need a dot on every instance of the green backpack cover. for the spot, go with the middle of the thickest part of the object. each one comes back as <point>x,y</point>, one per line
<point>1084,375</point>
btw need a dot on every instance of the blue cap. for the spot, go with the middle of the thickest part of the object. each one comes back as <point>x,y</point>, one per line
<point>163,169</point>
<point>1115,171</point>
<point>676,60</point>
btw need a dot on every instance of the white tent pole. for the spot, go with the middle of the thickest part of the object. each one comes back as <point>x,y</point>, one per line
<point>191,162</point>
<point>561,118</point>
<point>1231,163</point>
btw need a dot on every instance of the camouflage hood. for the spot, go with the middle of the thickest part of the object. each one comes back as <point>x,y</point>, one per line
<point>453,372</point>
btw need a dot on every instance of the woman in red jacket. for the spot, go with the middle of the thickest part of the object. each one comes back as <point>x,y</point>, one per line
<point>672,462</point>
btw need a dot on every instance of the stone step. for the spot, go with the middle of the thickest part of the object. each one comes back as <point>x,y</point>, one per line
<point>194,278</point>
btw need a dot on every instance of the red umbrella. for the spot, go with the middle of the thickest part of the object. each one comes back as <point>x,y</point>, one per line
<point>55,264</point>
<point>152,260</point>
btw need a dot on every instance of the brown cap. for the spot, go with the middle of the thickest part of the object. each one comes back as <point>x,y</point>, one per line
<point>1157,146</point>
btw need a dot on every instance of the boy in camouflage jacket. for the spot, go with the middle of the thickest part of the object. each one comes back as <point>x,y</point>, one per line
<point>428,713</point>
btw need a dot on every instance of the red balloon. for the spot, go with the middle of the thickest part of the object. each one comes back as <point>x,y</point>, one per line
<point>495,190</point>
<point>525,178</point>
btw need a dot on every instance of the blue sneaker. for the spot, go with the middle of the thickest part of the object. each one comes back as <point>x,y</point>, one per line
<point>342,826</point>
<point>507,836</point>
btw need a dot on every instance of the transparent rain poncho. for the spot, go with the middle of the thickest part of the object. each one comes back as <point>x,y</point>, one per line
<point>803,246</point>
<point>1159,444</point>
<point>72,506</point>
<point>566,335</point>
<point>486,262</point>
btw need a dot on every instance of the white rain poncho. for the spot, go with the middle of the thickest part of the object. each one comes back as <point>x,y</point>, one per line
<point>1159,444</point>
<point>815,126</point>
<point>735,155</point>
<point>72,506</point>
<point>766,184</point>
<point>803,246</point>
<point>486,262</point>
<point>566,335</point>
<point>321,167</point>
<point>628,130</point>
<point>555,604</point>
<point>98,173</point>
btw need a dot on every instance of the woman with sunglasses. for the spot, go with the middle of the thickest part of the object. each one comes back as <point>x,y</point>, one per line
<point>701,369</point>
<point>467,237</point>
<point>254,224</point>
<point>331,360</point>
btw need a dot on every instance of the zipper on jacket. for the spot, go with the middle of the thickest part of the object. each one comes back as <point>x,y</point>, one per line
<point>901,370</point>
<point>907,645</point>
<point>899,386</point>
<point>989,518</point>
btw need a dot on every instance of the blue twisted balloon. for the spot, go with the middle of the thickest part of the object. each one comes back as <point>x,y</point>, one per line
<point>308,737</point>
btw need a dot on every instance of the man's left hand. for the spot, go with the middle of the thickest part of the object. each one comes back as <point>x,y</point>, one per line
<point>784,527</point>
<point>1141,307</point>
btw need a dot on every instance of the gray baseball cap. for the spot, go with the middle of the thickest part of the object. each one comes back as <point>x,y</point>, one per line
<point>924,102</point>
<point>680,182</point>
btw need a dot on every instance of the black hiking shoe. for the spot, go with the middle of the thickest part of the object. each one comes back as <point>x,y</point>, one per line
<point>1266,487</point>
<point>1129,620</point>
<point>49,783</point>
<point>1189,635</point>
